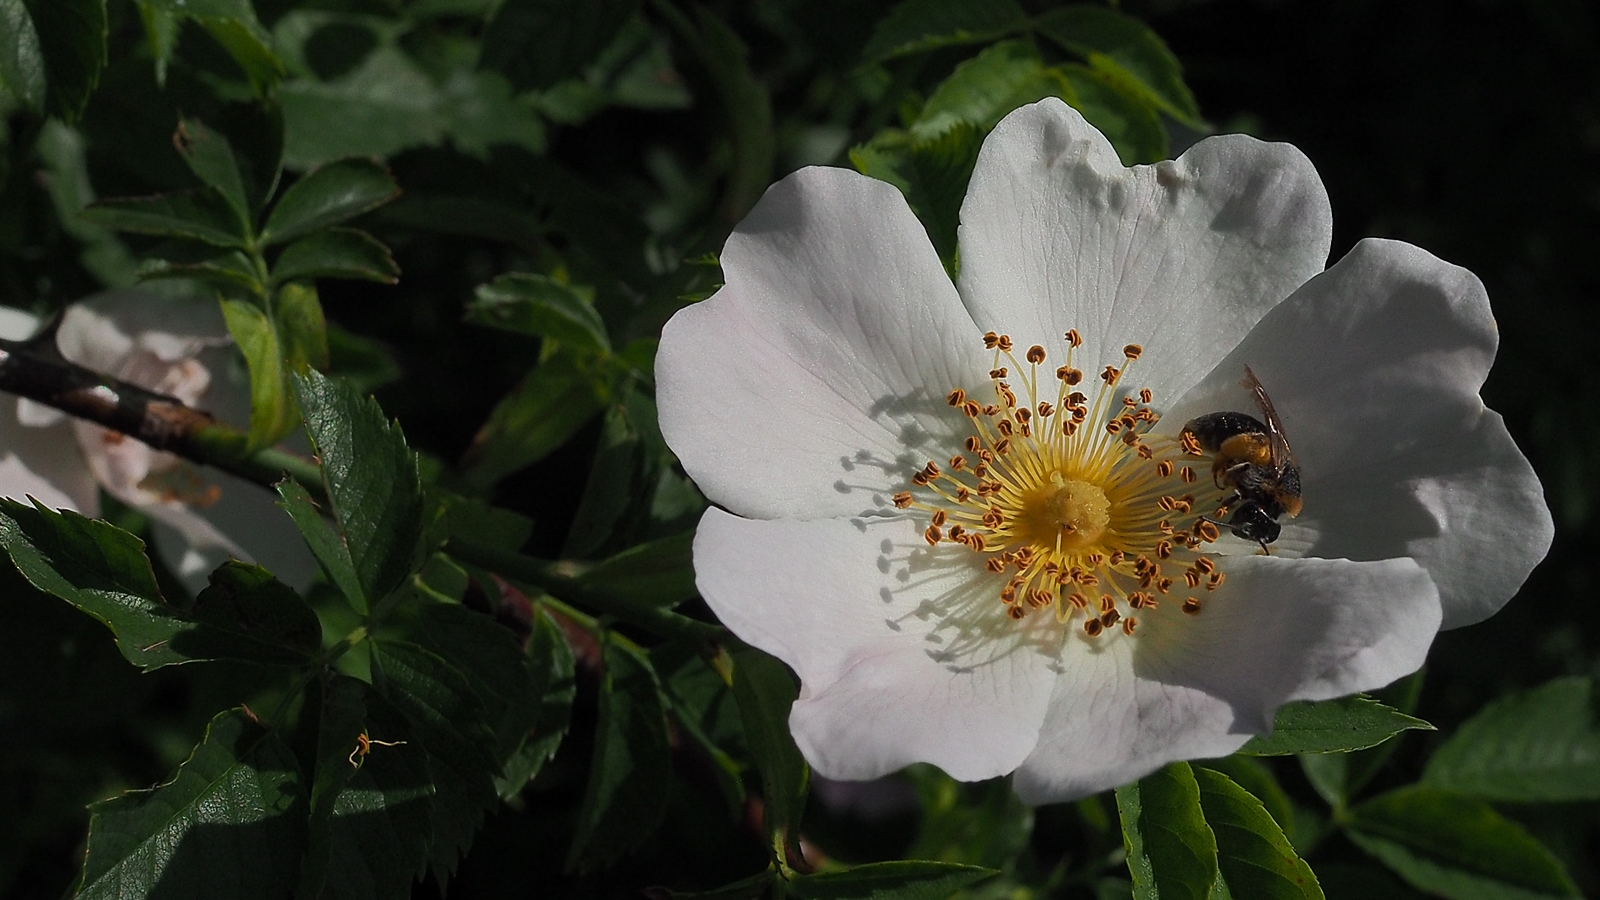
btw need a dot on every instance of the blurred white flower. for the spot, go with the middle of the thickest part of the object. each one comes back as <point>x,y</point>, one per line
<point>964,514</point>
<point>201,516</point>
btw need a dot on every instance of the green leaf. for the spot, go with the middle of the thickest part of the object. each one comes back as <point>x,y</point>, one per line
<point>556,684</point>
<point>898,880</point>
<point>272,411</point>
<point>302,330</point>
<point>982,90</point>
<point>229,270</point>
<point>336,253</point>
<point>199,215</point>
<point>932,174</point>
<point>322,539</point>
<point>627,791</point>
<point>22,68</point>
<point>226,822</point>
<point>918,25</point>
<point>474,520</point>
<point>371,476</point>
<point>369,826</point>
<point>328,195</point>
<point>211,159</point>
<point>234,25</point>
<point>542,307</point>
<point>1111,40</point>
<point>1172,852</point>
<point>1253,855</point>
<point>659,573</point>
<point>765,691</point>
<point>1329,774</point>
<point>616,484</point>
<point>1123,114</point>
<point>256,617</point>
<point>539,415</point>
<point>976,824</point>
<point>1257,778</point>
<point>1539,746</point>
<point>71,38</point>
<point>103,571</point>
<point>447,718</point>
<point>1456,846</point>
<point>536,43</point>
<point>1326,726</point>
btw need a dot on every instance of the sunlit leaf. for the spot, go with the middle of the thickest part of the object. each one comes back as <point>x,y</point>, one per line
<point>1122,113</point>
<point>229,270</point>
<point>982,90</point>
<point>229,824</point>
<point>22,69</point>
<point>932,174</point>
<point>1253,854</point>
<point>372,480</point>
<point>323,540</point>
<point>272,410</point>
<point>1112,40</point>
<point>1326,726</point>
<point>302,330</point>
<point>1172,852</point>
<point>201,215</point>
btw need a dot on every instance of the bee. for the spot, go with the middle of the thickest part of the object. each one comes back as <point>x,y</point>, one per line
<point>1253,458</point>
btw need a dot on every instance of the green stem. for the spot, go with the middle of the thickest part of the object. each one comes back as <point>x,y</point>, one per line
<point>549,577</point>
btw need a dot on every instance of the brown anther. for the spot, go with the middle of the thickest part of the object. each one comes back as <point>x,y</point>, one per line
<point>1140,563</point>
<point>902,500</point>
<point>1163,549</point>
<point>1209,532</point>
<point>1138,599</point>
<point>933,535</point>
<point>1191,578</point>
<point>957,533</point>
<point>971,409</point>
<point>1096,559</point>
<point>1127,421</point>
<point>1016,612</point>
<point>1145,396</point>
<point>973,445</point>
<point>991,410</point>
<point>1129,402</point>
<point>1008,395</point>
<point>1077,398</point>
<point>995,564</point>
<point>1073,337</point>
<point>1166,503</point>
<point>982,469</point>
<point>1164,585</point>
<point>1144,452</point>
<point>1003,426</point>
<point>1008,594</point>
<point>1003,447</point>
<point>1079,414</point>
<point>1038,599</point>
<point>957,463</point>
<point>1110,375</point>
<point>1132,351</point>
<point>990,340</point>
<point>1164,526</point>
<point>1191,605</point>
<point>1164,468</point>
<point>1027,430</point>
<point>1088,579</point>
<point>1045,409</point>
<point>962,494</point>
<point>1005,342</point>
<point>1109,617</point>
<point>1187,474</point>
<point>1129,624</point>
<point>1190,444</point>
<point>939,518</point>
<point>1205,565</point>
<point>1069,428</point>
<point>1069,375</point>
<point>1078,601</point>
<point>1215,581</point>
<point>1023,414</point>
<point>1113,426</point>
<point>919,479</point>
<point>997,374</point>
<point>1035,354</point>
<point>1093,627</point>
<point>976,542</point>
<point>956,397</point>
<point>1107,603</point>
<point>994,518</point>
<point>1116,558</point>
<point>1130,438</point>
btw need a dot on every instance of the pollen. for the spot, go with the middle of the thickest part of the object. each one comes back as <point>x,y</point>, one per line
<point>1069,496</point>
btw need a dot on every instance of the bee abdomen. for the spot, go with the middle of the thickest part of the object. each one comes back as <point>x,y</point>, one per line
<point>1212,429</point>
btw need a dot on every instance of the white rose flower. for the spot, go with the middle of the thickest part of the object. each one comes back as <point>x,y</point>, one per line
<point>967,515</point>
<point>201,517</point>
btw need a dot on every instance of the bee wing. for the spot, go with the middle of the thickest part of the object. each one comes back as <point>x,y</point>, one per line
<point>1282,456</point>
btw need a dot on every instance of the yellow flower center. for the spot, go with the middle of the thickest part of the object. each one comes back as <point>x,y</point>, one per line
<point>1073,502</point>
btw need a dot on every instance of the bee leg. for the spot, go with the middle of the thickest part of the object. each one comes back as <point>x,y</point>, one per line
<point>1265,550</point>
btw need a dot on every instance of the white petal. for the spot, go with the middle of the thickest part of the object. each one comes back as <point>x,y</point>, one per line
<point>811,380</point>
<point>1374,367</point>
<point>1192,687</point>
<point>103,331</point>
<point>44,463</point>
<point>16,324</point>
<point>904,654</point>
<point>1182,257</point>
